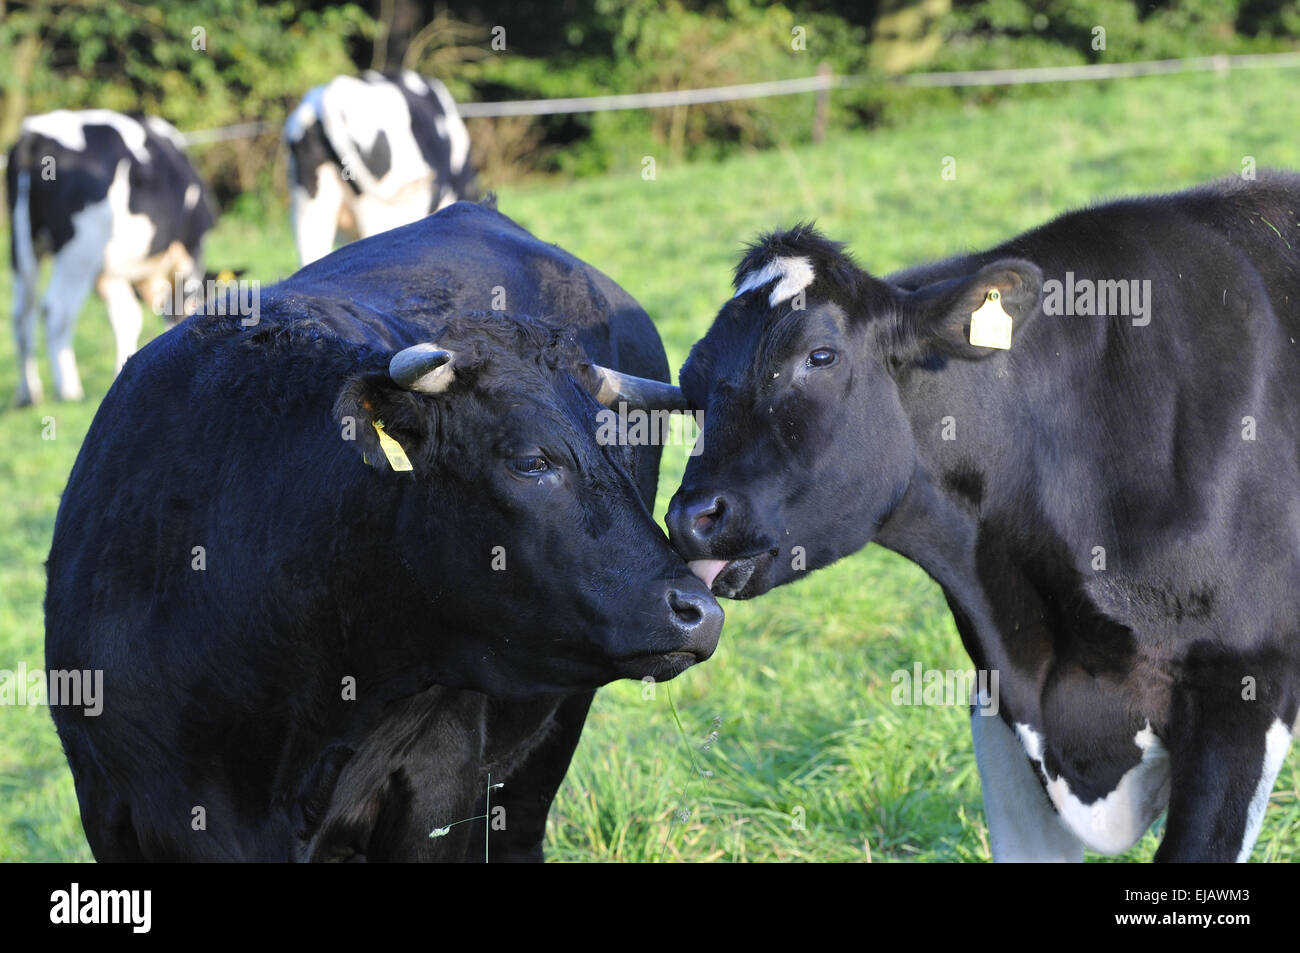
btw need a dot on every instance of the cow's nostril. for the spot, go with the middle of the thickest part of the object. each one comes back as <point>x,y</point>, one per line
<point>684,608</point>
<point>706,518</point>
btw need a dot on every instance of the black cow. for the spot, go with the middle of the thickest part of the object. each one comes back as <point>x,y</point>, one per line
<point>117,203</point>
<point>371,153</point>
<point>1111,504</point>
<point>325,652</point>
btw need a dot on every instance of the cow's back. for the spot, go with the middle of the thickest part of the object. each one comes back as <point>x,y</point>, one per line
<point>467,258</point>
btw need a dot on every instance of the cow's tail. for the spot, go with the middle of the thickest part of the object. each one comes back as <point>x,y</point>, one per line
<point>22,245</point>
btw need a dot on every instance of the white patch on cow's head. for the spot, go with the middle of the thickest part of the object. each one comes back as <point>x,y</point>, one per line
<point>792,275</point>
<point>68,128</point>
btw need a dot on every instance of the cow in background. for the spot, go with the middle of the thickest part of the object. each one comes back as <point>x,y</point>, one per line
<point>371,153</point>
<point>117,203</point>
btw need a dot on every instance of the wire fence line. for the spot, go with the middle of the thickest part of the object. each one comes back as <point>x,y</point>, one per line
<point>822,82</point>
<point>1218,63</point>
<point>667,99</point>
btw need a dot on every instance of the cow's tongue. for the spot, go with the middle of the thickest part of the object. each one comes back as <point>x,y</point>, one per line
<point>707,569</point>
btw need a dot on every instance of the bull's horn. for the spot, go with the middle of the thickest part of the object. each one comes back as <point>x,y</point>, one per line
<point>426,368</point>
<point>611,386</point>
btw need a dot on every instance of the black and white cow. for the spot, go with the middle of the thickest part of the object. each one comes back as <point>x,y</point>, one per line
<point>1111,504</point>
<point>371,153</point>
<point>117,203</point>
<point>341,566</point>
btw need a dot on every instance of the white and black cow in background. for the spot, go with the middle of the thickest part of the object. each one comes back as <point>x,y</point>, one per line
<point>120,207</point>
<point>371,153</point>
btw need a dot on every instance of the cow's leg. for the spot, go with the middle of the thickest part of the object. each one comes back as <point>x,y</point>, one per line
<point>29,377</point>
<point>26,276</point>
<point>1023,825</point>
<point>124,315</point>
<point>530,789</point>
<point>1225,753</point>
<point>316,217</point>
<point>76,265</point>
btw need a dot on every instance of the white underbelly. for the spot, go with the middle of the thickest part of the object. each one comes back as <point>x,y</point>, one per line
<point>1116,822</point>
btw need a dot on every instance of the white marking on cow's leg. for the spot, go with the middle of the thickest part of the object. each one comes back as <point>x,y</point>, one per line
<point>76,266</point>
<point>124,315</point>
<point>794,274</point>
<point>1023,826</point>
<point>1116,822</point>
<point>26,276</point>
<point>1276,743</point>
<point>315,218</point>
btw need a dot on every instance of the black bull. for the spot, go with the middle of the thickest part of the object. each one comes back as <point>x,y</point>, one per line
<point>309,653</point>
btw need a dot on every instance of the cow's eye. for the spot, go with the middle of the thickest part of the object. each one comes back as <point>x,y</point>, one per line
<point>532,465</point>
<point>821,357</point>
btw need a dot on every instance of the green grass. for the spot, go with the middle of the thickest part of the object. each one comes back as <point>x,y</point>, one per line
<point>800,687</point>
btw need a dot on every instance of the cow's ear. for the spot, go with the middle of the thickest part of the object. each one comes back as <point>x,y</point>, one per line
<point>389,427</point>
<point>989,308</point>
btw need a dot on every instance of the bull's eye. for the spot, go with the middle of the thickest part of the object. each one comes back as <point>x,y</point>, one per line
<point>821,357</point>
<point>530,466</point>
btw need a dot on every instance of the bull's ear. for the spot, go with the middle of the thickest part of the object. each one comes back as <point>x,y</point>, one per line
<point>990,307</point>
<point>389,427</point>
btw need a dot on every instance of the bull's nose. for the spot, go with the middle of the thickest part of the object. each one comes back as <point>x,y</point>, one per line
<point>693,523</point>
<point>697,619</point>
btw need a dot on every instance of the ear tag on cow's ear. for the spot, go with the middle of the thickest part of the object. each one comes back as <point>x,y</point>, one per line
<point>990,326</point>
<point>397,458</point>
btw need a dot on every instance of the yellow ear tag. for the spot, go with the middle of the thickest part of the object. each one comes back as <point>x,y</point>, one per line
<point>990,326</point>
<point>397,458</point>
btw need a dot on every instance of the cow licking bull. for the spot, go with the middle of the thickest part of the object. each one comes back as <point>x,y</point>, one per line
<point>341,565</point>
<point>371,153</point>
<point>1106,485</point>
<point>117,203</point>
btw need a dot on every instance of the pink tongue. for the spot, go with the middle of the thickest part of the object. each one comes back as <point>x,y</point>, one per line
<point>707,569</point>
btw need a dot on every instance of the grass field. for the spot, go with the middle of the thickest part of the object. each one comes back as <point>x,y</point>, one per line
<point>810,761</point>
